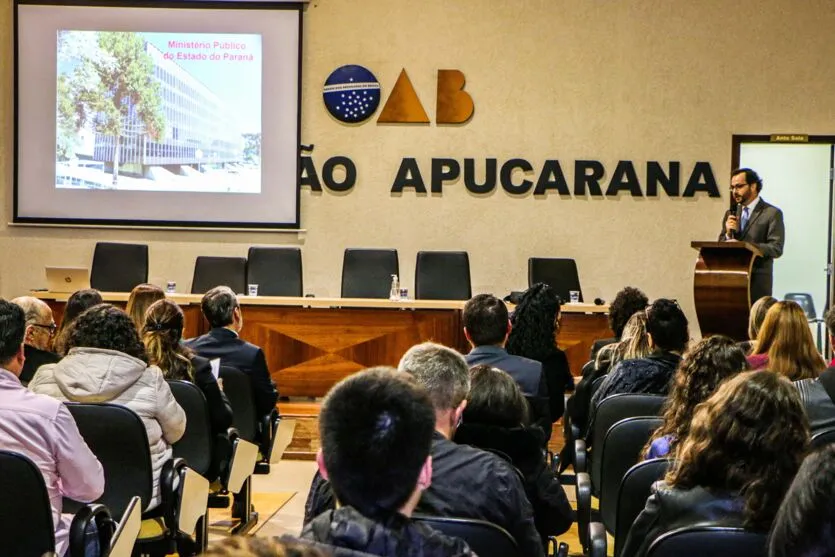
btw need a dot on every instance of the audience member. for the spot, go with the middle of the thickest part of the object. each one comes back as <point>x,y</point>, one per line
<point>376,430</point>
<point>829,319</point>
<point>249,546</point>
<point>745,445</point>
<point>221,309</point>
<point>805,524</point>
<point>40,328</point>
<point>466,482</point>
<point>668,336</point>
<point>496,419</point>
<point>42,429</point>
<point>161,335</point>
<point>140,299</point>
<point>704,367</point>
<point>785,344</point>
<point>628,301</point>
<point>106,362</point>
<point>818,394</point>
<point>536,322</point>
<point>487,326</point>
<point>755,322</point>
<point>77,303</point>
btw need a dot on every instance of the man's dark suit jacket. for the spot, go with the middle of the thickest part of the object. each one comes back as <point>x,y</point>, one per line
<point>225,344</point>
<point>765,229</point>
<point>527,374</point>
<point>35,358</point>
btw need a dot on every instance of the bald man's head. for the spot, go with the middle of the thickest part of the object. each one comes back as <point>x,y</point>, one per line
<point>39,322</point>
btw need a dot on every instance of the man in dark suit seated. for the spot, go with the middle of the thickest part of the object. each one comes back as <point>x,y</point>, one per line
<point>40,327</point>
<point>221,309</point>
<point>487,326</point>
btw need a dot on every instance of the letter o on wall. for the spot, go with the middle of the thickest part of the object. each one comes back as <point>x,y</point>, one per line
<point>350,174</point>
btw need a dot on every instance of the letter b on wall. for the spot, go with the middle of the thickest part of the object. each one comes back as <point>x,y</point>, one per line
<point>454,105</point>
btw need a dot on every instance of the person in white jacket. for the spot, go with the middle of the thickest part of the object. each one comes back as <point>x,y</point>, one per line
<point>106,362</point>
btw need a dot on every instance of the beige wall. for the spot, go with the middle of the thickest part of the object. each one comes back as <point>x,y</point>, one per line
<point>639,80</point>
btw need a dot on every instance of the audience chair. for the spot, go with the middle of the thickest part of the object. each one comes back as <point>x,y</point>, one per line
<point>823,437</point>
<point>806,302</point>
<point>442,275</point>
<point>238,389</point>
<point>484,538</point>
<point>709,541</point>
<point>219,271</point>
<point>26,526</point>
<point>117,437</point>
<point>276,271</point>
<point>121,545</point>
<point>119,267</point>
<point>366,273</point>
<point>559,274</point>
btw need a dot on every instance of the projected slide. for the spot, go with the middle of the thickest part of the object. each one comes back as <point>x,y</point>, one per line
<point>161,112</point>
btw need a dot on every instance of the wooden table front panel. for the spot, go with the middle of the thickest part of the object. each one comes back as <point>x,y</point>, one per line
<point>308,350</point>
<point>577,333</point>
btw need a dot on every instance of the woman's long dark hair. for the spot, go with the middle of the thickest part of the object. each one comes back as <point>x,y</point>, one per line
<point>161,334</point>
<point>749,438</point>
<point>78,303</point>
<point>534,324</point>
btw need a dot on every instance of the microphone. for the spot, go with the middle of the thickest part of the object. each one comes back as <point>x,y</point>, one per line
<point>734,208</point>
<point>599,302</point>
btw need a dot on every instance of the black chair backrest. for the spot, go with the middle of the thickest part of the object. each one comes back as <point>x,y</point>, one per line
<point>621,450</point>
<point>26,527</point>
<point>484,538</point>
<point>609,412</point>
<point>442,275</point>
<point>276,271</point>
<point>366,273</point>
<point>595,385</point>
<point>219,271</point>
<point>238,389</point>
<point>559,274</point>
<point>634,491</point>
<point>195,446</point>
<point>709,541</point>
<point>117,437</point>
<point>805,301</point>
<point>823,437</point>
<point>119,267</point>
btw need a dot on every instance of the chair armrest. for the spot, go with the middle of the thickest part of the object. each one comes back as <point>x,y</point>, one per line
<point>105,526</point>
<point>556,547</point>
<point>580,456</point>
<point>269,424</point>
<point>583,508</point>
<point>597,540</point>
<point>170,478</point>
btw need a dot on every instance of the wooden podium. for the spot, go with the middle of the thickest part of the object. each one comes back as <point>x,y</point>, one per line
<point>721,287</point>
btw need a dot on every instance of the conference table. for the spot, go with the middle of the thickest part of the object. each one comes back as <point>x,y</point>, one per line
<point>312,343</point>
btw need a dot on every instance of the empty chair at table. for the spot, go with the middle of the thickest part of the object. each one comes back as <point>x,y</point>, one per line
<point>442,275</point>
<point>216,271</point>
<point>118,267</point>
<point>276,270</point>
<point>367,273</point>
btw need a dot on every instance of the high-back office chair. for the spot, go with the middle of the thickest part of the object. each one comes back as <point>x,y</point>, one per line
<point>276,271</point>
<point>442,275</point>
<point>559,274</point>
<point>709,541</point>
<point>118,267</point>
<point>26,526</point>
<point>366,273</point>
<point>807,303</point>
<point>217,271</point>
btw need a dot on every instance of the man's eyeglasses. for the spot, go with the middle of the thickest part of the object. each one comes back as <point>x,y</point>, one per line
<point>736,187</point>
<point>52,327</point>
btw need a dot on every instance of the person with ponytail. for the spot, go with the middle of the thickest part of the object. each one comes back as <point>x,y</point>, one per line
<point>162,335</point>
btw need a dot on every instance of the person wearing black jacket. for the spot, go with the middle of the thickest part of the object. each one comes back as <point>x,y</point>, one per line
<point>40,329</point>
<point>221,309</point>
<point>162,335</point>
<point>466,482</point>
<point>496,419</point>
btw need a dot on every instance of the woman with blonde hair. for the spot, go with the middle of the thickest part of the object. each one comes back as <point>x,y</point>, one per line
<point>744,448</point>
<point>785,344</point>
<point>140,299</point>
<point>755,322</point>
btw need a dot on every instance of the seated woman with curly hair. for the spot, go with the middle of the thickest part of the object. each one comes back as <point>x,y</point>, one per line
<point>106,362</point>
<point>536,322</point>
<point>496,419</point>
<point>745,445</point>
<point>703,368</point>
<point>162,334</point>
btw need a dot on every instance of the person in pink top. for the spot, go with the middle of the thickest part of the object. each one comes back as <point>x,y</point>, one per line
<point>41,428</point>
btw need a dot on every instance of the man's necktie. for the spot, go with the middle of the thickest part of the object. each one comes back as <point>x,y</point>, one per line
<point>744,222</point>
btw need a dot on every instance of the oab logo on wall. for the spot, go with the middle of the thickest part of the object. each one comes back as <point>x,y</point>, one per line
<point>352,95</point>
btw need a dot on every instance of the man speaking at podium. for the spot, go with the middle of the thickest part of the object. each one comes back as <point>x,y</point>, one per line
<point>750,219</point>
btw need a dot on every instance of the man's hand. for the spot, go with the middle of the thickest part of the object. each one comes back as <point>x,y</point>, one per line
<point>731,225</point>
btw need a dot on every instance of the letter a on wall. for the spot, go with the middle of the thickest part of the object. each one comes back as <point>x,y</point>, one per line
<point>454,106</point>
<point>403,105</point>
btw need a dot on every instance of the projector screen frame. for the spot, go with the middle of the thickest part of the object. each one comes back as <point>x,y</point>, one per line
<point>150,224</point>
